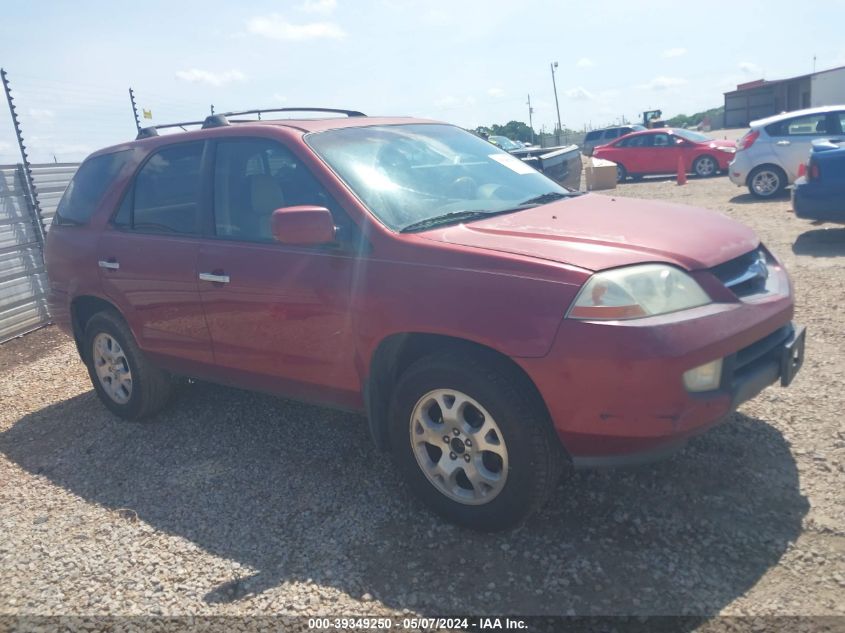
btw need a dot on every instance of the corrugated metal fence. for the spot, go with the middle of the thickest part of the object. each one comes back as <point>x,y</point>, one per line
<point>23,283</point>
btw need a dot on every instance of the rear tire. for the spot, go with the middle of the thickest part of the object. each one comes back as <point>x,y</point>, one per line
<point>502,459</point>
<point>766,182</point>
<point>125,381</point>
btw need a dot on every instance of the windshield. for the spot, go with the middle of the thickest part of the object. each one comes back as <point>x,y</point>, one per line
<point>407,174</point>
<point>505,143</point>
<point>695,137</point>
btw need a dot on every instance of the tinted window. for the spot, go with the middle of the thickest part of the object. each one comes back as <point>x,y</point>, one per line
<point>253,178</point>
<point>841,117</point>
<point>634,141</point>
<point>165,195</point>
<point>611,134</point>
<point>660,140</point>
<point>88,186</point>
<point>592,136</point>
<point>811,124</point>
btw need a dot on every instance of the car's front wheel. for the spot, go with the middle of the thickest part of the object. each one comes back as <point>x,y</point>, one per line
<point>125,381</point>
<point>473,441</point>
<point>621,173</point>
<point>705,166</point>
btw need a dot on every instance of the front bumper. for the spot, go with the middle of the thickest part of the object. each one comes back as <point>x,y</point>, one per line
<point>615,391</point>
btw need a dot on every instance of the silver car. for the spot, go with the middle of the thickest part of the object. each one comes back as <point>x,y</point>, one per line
<point>769,155</point>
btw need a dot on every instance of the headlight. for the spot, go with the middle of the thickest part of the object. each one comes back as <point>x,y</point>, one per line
<point>638,291</point>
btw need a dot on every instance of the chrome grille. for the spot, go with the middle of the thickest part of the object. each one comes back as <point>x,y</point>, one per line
<point>745,275</point>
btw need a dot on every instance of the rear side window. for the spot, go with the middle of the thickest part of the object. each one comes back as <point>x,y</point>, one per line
<point>611,134</point>
<point>634,141</point>
<point>165,195</point>
<point>592,136</point>
<point>808,125</point>
<point>88,186</point>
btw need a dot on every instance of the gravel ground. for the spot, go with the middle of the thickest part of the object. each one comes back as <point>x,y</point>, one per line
<point>244,504</point>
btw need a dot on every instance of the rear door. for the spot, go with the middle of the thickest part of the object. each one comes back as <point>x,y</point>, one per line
<point>792,139</point>
<point>663,154</point>
<point>148,254</point>
<point>279,315</point>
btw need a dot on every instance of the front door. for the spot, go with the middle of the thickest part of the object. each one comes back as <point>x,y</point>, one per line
<point>148,257</point>
<point>279,315</point>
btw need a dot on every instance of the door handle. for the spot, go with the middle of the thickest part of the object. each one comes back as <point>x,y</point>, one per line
<point>218,279</point>
<point>109,264</point>
<point>782,143</point>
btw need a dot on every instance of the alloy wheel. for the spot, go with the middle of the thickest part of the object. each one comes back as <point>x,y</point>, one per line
<point>765,183</point>
<point>112,368</point>
<point>459,446</point>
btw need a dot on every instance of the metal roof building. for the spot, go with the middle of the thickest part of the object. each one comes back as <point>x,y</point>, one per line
<point>761,98</point>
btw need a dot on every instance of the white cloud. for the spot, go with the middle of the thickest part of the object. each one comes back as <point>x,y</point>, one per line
<point>275,27</point>
<point>585,62</point>
<point>41,114</point>
<point>495,92</point>
<point>749,68</point>
<point>450,101</point>
<point>579,94</point>
<point>675,52</point>
<point>664,83</point>
<point>199,76</point>
<point>324,7</point>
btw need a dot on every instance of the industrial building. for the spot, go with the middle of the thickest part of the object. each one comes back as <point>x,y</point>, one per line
<point>761,98</point>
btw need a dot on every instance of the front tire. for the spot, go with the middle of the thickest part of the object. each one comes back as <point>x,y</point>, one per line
<point>473,441</point>
<point>705,167</point>
<point>621,173</point>
<point>125,381</point>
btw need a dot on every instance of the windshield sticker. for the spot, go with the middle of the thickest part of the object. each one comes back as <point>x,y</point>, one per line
<point>513,163</point>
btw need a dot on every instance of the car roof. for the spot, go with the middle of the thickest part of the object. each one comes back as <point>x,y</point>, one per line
<point>788,115</point>
<point>304,125</point>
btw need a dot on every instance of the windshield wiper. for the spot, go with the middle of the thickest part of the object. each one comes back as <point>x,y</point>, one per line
<point>446,218</point>
<point>547,197</point>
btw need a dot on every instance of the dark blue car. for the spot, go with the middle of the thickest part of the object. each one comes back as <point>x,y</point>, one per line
<point>820,193</point>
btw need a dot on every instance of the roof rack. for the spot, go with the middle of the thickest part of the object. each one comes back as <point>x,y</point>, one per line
<point>221,120</point>
<point>152,130</point>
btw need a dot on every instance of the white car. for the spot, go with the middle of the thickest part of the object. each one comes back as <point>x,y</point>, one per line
<point>769,155</point>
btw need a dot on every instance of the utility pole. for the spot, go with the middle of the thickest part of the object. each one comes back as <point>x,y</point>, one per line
<point>134,110</point>
<point>814,63</point>
<point>212,109</point>
<point>553,65</point>
<point>531,118</point>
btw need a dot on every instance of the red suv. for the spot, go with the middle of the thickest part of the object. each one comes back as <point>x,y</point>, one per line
<point>493,325</point>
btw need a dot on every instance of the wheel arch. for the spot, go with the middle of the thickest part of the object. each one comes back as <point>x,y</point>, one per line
<point>82,308</point>
<point>770,164</point>
<point>395,353</point>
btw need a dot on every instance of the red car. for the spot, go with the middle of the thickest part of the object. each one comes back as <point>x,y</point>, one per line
<point>658,152</point>
<point>492,325</point>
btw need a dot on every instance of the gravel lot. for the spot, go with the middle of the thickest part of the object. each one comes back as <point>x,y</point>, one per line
<point>237,503</point>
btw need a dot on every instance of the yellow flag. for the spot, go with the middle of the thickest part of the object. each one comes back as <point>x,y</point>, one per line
<point>148,114</point>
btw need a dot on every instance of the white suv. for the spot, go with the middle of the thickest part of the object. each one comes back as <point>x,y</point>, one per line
<point>769,155</point>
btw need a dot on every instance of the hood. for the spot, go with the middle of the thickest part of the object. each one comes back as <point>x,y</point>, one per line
<point>597,232</point>
<point>720,142</point>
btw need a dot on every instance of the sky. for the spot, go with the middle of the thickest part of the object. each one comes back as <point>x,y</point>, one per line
<point>466,62</point>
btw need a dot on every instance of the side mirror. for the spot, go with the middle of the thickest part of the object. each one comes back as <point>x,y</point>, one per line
<point>302,226</point>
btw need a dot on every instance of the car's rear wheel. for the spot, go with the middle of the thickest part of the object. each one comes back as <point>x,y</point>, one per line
<point>473,441</point>
<point>125,381</point>
<point>766,181</point>
<point>621,173</point>
<point>705,166</point>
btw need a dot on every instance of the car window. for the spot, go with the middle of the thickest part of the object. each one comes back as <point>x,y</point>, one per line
<point>611,134</point>
<point>634,141</point>
<point>88,186</point>
<point>841,116</point>
<point>592,136</point>
<point>164,197</point>
<point>661,140</point>
<point>807,125</point>
<point>253,178</point>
